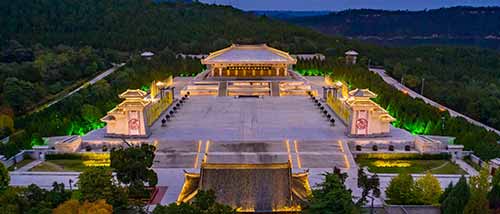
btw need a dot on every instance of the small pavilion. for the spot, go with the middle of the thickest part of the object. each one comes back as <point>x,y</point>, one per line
<point>249,61</point>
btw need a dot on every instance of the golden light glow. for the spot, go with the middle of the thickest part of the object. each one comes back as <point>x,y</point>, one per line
<point>205,157</point>
<point>394,163</point>
<point>341,146</point>
<point>287,143</point>
<point>96,159</point>
<point>348,165</point>
<point>299,163</point>
<point>197,154</point>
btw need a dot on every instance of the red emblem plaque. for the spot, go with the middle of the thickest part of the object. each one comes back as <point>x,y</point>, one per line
<point>133,124</point>
<point>361,123</point>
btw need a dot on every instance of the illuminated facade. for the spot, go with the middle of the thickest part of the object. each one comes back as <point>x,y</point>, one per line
<point>248,61</point>
<point>134,116</point>
<point>364,117</point>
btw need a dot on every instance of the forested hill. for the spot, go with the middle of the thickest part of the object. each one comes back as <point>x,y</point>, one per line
<point>457,25</point>
<point>146,24</point>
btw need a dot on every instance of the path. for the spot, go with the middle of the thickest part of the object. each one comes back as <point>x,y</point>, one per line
<point>27,167</point>
<point>88,83</point>
<point>411,93</point>
<point>466,167</point>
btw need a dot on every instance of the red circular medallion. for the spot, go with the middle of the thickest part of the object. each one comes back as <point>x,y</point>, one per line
<point>133,124</point>
<point>361,123</point>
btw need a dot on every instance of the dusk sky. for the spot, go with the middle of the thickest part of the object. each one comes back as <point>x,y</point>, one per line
<point>336,5</point>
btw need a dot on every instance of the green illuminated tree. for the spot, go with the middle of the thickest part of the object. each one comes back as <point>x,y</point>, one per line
<point>133,167</point>
<point>479,186</point>
<point>331,196</point>
<point>427,190</point>
<point>455,201</point>
<point>91,113</point>
<point>401,190</point>
<point>96,183</point>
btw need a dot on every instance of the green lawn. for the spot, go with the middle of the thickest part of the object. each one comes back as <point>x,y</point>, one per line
<point>63,165</point>
<point>24,162</point>
<point>410,166</point>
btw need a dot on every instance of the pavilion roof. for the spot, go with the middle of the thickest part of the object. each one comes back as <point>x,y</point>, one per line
<point>362,93</point>
<point>351,53</point>
<point>133,93</point>
<point>249,54</point>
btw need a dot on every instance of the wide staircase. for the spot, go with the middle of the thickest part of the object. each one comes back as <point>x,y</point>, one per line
<point>248,88</point>
<point>222,88</point>
<point>291,88</point>
<point>275,89</point>
<point>202,88</point>
<point>301,154</point>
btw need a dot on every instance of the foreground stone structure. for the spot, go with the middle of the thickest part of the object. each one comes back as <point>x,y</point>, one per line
<point>250,187</point>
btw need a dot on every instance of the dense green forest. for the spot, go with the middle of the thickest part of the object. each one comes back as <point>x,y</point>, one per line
<point>68,27</point>
<point>475,26</point>
<point>32,76</point>
<point>137,25</point>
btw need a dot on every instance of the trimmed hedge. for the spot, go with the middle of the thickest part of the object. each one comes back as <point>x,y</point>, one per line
<point>77,156</point>
<point>404,156</point>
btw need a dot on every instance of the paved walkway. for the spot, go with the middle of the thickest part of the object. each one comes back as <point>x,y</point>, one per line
<point>27,167</point>
<point>466,167</point>
<point>90,82</point>
<point>411,93</point>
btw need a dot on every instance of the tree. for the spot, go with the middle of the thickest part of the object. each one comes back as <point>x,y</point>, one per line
<point>75,207</point>
<point>479,186</point>
<point>494,194</point>
<point>133,167</point>
<point>18,93</point>
<point>446,192</point>
<point>368,185</point>
<point>331,196</point>
<point>91,113</point>
<point>428,190</point>
<point>456,200</point>
<point>96,183</point>
<point>401,190</point>
<point>203,202</point>
<point>4,178</point>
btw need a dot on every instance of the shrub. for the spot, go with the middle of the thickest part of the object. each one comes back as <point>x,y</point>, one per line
<point>405,156</point>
